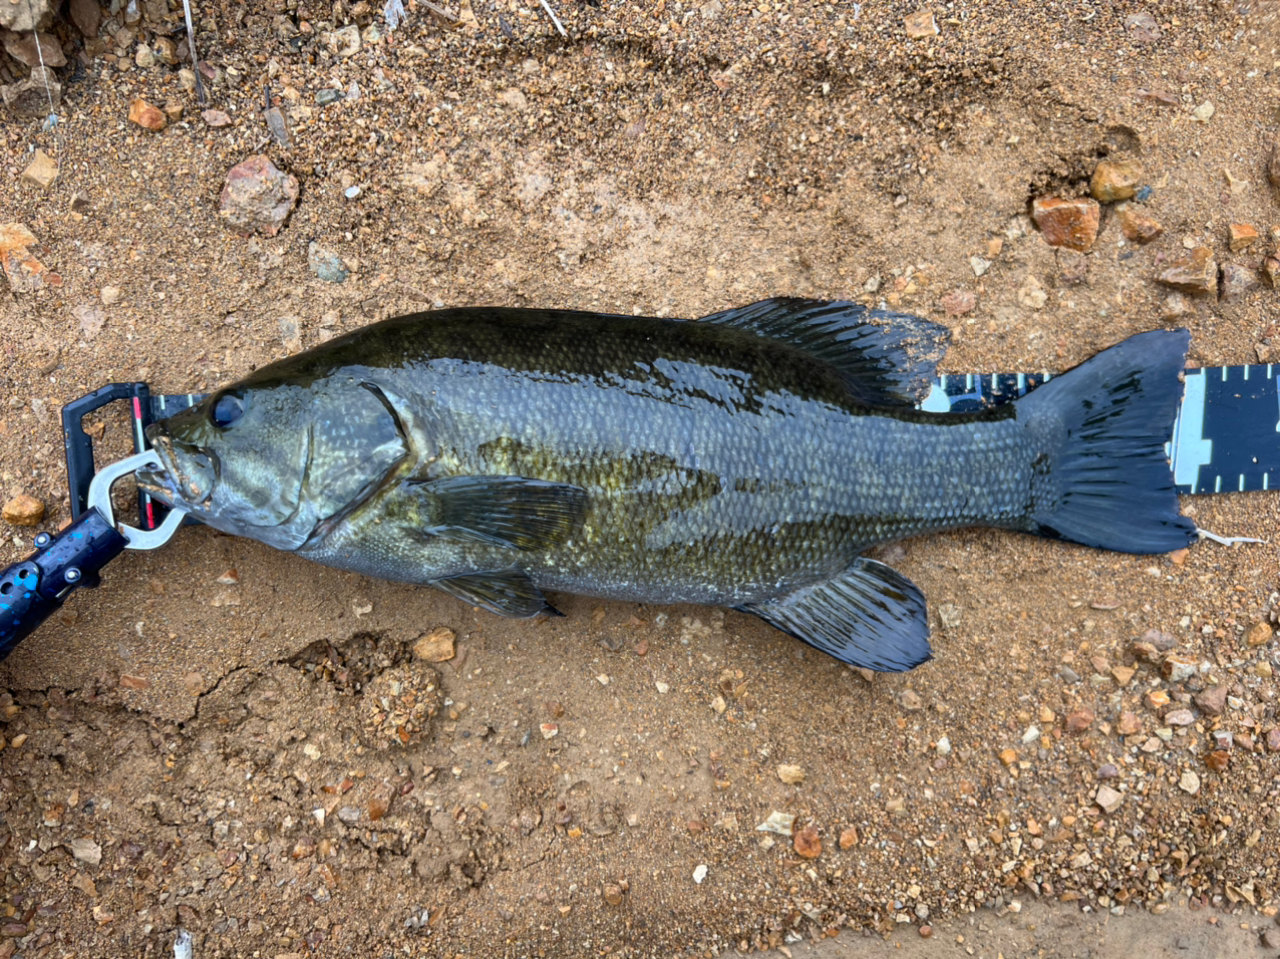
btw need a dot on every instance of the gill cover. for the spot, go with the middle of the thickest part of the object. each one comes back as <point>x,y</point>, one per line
<point>274,461</point>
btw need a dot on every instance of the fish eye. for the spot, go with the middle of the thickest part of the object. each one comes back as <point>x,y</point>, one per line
<point>226,409</point>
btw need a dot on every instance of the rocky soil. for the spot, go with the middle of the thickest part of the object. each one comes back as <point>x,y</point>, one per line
<point>287,760</point>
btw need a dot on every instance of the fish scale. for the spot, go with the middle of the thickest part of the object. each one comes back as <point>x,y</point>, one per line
<point>746,460</point>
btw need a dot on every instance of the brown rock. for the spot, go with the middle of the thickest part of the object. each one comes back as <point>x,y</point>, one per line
<point>1212,700</point>
<point>1197,272</point>
<point>1109,799</point>
<point>1144,652</point>
<point>807,844</point>
<point>1175,307</point>
<point>436,646</point>
<point>1271,271</point>
<point>257,196</point>
<point>1156,699</point>
<point>1008,757</point>
<point>1273,740</point>
<point>216,118</point>
<point>1067,223</point>
<point>173,109</point>
<point>41,171</point>
<point>1177,669</point>
<point>1218,760</point>
<point>1115,180</point>
<point>1259,634</point>
<point>791,775</point>
<point>134,682</point>
<point>30,97</point>
<point>1079,721</point>
<point>959,302</point>
<point>1161,641</point>
<point>920,24</point>
<point>22,47</point>
<point>612,894</point>
<point>1237,282</point>
<point>1129,724</point>
<point>23,510</point>
<point>87,16</point>
<point>1179,717</point>
<point>848,837</point>
<point>1241,236</point>
<point>1136,226</point>
<point>147,116</point>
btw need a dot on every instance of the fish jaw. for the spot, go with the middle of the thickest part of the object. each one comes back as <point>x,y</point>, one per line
<point>187,475</point>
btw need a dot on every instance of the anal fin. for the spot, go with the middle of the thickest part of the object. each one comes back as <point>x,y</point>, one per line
<point>507,592</point>
<point>870,615</point>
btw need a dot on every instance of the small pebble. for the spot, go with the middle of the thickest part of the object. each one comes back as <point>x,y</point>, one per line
<point>1068,223</point>
<point>1241,236</point>
<point>1176,669</point>
<point>436,646</point>
<point>700,873</point>
<point>791,775</point>
<point>1197,272</point>
<point>1189,782</point>
<point>920,25</point>
<point>1115,180</point>
<point>806,843</point>
<point>23,510</point>
<point>1108,799</point>
<point>147,116</point>
<point>216,118</point>
<point>41,171</point>
<point>1078,721</point>
<point>257,196</point>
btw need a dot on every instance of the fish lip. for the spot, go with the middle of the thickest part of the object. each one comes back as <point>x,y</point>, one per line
<point>169,484</point>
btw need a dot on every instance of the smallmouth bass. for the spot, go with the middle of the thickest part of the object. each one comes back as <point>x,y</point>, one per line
<point>746,459</point>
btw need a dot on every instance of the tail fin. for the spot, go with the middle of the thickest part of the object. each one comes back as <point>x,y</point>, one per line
<point>1104,478</point>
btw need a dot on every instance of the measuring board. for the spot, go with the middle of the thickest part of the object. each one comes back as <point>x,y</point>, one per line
<point>1226,438</point>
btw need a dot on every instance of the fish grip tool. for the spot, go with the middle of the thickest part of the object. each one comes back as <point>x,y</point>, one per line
<point>34,588</point>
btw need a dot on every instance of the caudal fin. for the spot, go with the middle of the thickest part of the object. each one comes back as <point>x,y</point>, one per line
<point>1103,478</point>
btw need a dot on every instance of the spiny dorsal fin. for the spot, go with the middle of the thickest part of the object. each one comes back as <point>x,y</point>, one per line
<point>886,359</point>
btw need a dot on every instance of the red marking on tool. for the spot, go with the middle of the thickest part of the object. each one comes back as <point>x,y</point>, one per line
<point>151,506</point>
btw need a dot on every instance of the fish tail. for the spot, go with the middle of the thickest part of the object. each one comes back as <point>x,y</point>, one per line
<point>1102,477</point>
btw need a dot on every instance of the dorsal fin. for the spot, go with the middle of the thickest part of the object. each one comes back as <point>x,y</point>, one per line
<point>887,359</point>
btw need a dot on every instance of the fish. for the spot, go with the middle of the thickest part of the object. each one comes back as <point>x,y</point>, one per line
<point>747,459</point>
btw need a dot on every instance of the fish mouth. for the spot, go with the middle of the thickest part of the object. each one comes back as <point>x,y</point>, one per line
<point>176,486</point>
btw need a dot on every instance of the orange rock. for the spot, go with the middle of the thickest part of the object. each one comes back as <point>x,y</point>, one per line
<point>147,116</point>
<point>1079,721</point>
<point>23,510</point>
<point>848,837</point>
<point>1197,272</point>
<point>1241,236</point>
<point>1115,180</point>
<point>807,843</point>
<point>1138,227</point>
<point>1068,223</point>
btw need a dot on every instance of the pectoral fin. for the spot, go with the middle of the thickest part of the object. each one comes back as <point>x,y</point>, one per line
<point>507,592</point>
<point>870,615</point>
<point>526,514</point>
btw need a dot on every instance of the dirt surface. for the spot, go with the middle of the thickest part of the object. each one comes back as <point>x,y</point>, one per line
<point>230,740</point>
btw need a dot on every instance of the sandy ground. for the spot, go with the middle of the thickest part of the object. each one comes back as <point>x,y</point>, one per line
<point>188,748</point>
